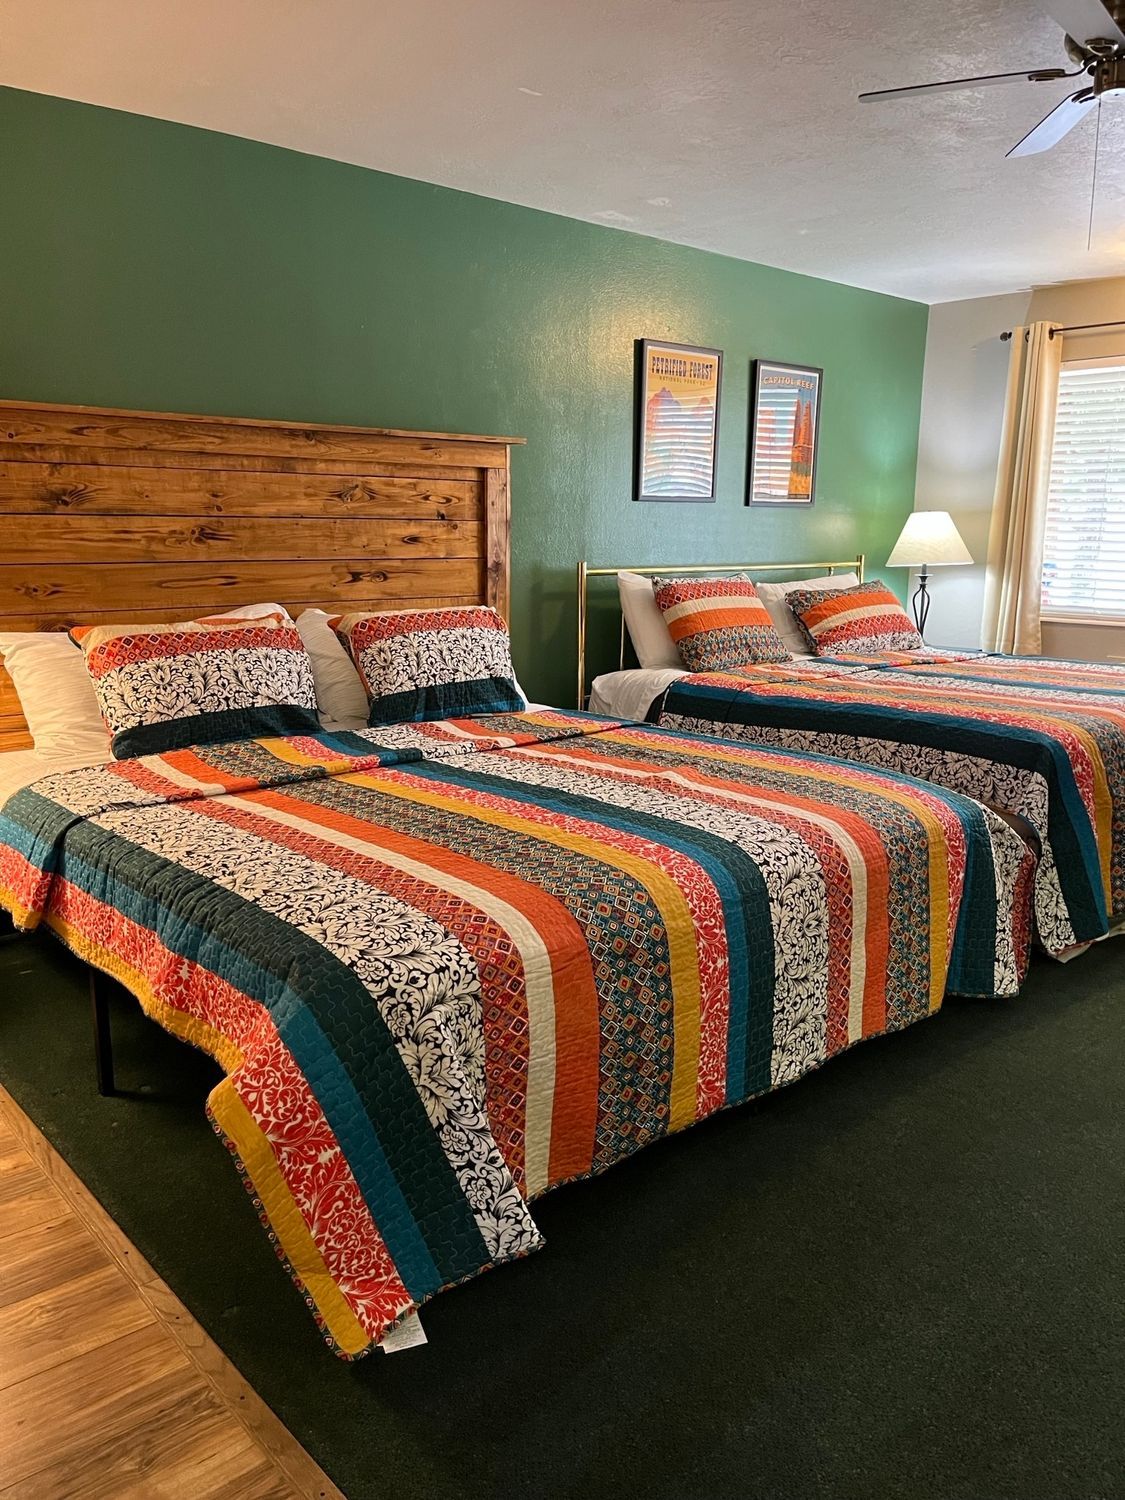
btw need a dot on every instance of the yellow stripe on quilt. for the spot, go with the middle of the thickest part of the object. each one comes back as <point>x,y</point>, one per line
<point>935,838</point>
<point>763,799</point>
<point>538,978</point>
<point>23,916</point>
<point>669,901</point>
<point>286,751</point>
<point>1058,725</point>
<point>188,1028</point>
<point>286,1219</point>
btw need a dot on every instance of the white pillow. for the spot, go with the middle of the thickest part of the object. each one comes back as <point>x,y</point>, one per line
<point>339,691</point>
<point>773,597</point>
<point>56,694</point>
<point>649,634</point>
<point>57,697</point>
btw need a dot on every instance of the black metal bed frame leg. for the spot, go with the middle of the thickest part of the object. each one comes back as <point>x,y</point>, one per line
<point>103,1037</point>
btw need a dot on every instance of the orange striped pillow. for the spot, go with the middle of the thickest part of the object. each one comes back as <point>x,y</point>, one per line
<point>718,623</point>
<point>863,619</point>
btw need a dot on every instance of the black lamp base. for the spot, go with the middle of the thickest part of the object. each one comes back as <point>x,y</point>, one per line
<point>920,602</point>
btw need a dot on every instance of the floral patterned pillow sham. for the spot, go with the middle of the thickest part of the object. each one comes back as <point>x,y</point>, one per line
<point>863,619</point>
<point>431,663</point>
<point>199,682</point>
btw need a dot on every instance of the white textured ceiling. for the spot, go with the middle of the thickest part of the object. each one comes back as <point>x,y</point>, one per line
<point>727,124</point>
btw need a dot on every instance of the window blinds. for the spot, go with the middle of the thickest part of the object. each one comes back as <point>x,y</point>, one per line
<point>1084,549</point>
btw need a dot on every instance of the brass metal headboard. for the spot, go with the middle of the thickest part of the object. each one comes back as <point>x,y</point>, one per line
<point>585,573</point>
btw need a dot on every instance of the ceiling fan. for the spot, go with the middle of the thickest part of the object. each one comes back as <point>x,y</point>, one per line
<point>1095,40</point>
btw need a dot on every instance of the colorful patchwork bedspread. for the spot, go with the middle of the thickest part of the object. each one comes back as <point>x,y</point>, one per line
<point>446,967</point>
<point>1043,740</point>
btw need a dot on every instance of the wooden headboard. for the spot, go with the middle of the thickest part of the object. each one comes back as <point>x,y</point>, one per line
<point>133,515</point>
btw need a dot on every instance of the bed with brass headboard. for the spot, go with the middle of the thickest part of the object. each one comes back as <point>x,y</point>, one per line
<point>110,515</point>
<point>1041,742</point>
<point>754,570</point>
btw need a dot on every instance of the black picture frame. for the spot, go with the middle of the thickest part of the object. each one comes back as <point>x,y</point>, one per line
<point>686,479</point>
<point>780,375</point>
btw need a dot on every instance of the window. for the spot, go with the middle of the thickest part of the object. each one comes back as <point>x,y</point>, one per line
<point>1084,548</point>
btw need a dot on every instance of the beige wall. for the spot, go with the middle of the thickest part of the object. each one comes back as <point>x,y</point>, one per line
<point>959,442</point>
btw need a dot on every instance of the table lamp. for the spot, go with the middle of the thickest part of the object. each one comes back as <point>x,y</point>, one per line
<point>928,540</point>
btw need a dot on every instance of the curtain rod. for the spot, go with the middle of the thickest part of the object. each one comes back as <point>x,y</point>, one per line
<point>1072,328</point>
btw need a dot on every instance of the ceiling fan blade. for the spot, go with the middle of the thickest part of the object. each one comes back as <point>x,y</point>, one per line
<point>1085,20</point>
<point>1029,75</point>
<point>1050,130</point>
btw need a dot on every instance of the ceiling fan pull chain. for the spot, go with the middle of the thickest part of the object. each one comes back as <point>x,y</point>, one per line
<point>1094,178</point>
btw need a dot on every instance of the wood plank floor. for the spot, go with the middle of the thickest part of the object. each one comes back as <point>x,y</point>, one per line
<point>108,1385</point>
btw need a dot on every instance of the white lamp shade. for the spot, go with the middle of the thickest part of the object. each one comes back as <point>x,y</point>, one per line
<point>929,540</point>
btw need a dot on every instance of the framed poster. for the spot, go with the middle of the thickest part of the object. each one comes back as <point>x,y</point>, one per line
<point>784,432</point>
<point>677,421</point>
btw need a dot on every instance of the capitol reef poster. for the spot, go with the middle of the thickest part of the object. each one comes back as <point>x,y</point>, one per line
<point>784,427</point>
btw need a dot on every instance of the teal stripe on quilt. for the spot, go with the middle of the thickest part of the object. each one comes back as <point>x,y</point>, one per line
<point>1068,827</point>
<point>34,825</point>
<point>214,728</point>
<point>742,892</point>
<point>451,700</point>
<point>369,1099</point>
<point>972,962</point>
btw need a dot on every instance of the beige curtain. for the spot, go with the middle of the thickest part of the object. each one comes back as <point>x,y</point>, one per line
<point>1019,511</point>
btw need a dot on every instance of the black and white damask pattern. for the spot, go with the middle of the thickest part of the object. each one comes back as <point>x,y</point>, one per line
<point>181,686</point>
<point>423,982</point>
<point>433,658</point>
<point>793,878</point>
<point>1008,853</point>
<point>1017,791</point>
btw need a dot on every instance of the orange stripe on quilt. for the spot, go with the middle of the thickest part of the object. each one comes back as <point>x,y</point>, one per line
<point>917,803</point>
<point>666,896</point>
<point>857,985</point>
<point>74,912</point>
<point>558,977</point>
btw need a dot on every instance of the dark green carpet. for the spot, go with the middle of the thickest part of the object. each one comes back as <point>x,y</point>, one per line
<point>901,1278</point>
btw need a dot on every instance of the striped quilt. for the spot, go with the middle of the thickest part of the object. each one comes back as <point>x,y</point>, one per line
<point>1042,740</point>
<point>448,966</point>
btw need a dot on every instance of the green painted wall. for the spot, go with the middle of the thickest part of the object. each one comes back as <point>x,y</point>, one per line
<point>145,264</point>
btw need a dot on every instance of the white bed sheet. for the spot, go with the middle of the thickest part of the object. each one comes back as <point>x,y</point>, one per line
<point>338,726</point>
<point>630,694</point>
<point>19,768</point>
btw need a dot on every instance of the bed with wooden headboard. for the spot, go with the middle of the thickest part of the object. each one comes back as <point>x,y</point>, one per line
<point>133,515</point>
<point>412,973</point>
